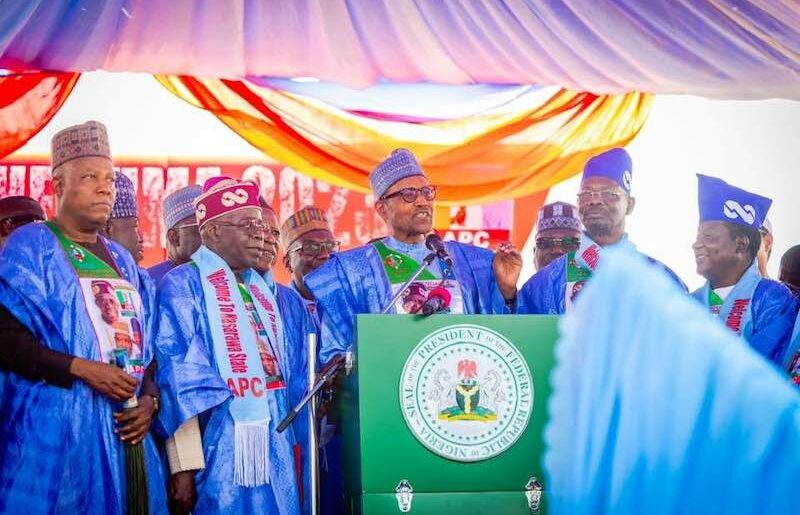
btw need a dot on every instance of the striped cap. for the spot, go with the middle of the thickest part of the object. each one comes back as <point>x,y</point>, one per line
<point>308,219</point>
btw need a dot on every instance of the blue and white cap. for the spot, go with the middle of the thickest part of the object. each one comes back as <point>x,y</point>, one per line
<point>180,204</point>
<point>614,164</point>
<point>399,165</point>
<point>720,202</point>
<point>125,202</point>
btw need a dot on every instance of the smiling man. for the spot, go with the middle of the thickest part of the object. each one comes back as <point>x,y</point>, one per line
<point>760,310</point>
<point>230,365</point>
<point>604,202</point>
<point>363,280</point>
<point>63,284</point>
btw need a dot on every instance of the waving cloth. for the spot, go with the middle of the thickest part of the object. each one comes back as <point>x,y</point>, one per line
<point>656,409</point>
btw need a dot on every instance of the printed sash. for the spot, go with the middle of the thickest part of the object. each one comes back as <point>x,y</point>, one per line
<point>399,267</point>
<point>736,310</point>
<point>234,341</point>
<point>114,306</point>
<point>580,265</point>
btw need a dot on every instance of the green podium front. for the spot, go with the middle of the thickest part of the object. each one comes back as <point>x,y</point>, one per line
<point>445,414</point>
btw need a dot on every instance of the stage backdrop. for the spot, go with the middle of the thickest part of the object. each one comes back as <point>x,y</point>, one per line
<point>351,213</point>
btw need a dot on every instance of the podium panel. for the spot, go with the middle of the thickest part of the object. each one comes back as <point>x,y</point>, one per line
<point>445,414</point>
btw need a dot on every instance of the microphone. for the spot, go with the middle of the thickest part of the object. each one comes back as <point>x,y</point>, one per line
<point>435,244</point>
<point>438,300</point>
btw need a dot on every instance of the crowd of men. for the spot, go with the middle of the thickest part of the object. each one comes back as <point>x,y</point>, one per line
<point>212,349</point>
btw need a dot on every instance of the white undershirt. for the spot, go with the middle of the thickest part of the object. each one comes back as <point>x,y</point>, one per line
<point>724,291</point>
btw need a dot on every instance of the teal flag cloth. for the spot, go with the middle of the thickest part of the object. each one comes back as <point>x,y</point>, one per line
<point>659,409</point>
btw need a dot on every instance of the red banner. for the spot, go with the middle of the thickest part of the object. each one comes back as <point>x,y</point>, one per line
<point>350,213</point>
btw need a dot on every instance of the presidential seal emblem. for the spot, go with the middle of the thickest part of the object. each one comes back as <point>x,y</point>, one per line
<point>466,393</point>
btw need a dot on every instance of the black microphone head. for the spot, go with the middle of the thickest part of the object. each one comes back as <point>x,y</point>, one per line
<point>434,242</point>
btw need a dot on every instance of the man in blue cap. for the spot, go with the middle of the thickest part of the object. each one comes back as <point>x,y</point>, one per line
<point>123,224</point>
<point>604,201</point>
<point>183,236</point>
<point>364,280</point>
<point>761,310</point>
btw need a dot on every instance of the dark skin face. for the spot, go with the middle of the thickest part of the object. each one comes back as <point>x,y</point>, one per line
<point>272,235</point>
<point>109,308</point>
<point>301,264</point>
<point>239,247</point>
<point>719,257</point>
<point>85,193</point>
<point>604,220</point>
<point>544,256</point>
<point>183,240</point>
<point>9,225</point>
<point>408,222</point>
<point>125,231</point>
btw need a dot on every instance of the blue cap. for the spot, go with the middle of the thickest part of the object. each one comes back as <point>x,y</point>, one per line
<point>614,164</point>
<point>399,165</point>
<point>125,203</point>
<point>180,204</point>
<point>720,202</point>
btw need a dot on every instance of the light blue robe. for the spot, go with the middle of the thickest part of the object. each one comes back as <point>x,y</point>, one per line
<point>773,312</point>
<point>543,293</point>
<point>657,409</point>
<point>191,386</point>
<point>58,450</point>
<point>355,281</point>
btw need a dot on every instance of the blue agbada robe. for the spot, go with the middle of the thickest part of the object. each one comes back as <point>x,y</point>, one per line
<point>58,450</point>
<point>191,386</point>
<point>543,293</point>
<point>658,409</point>
<point>774,312</point>
<point>355,281</point>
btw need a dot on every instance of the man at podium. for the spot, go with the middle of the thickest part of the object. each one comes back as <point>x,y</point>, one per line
<point>461,279</point>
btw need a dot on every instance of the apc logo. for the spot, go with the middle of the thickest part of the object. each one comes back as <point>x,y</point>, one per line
<point>734,210</point>
<point>626,179</point>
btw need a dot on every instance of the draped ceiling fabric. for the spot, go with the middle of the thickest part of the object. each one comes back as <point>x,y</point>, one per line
<point>712,48</point>
<point>521,147</point>
<point>27,103</point>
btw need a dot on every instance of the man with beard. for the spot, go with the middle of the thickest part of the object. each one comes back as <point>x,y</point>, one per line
<point>123,224</point>
<point>558,231</point>
<point>218,317</point>
<point>604,201</point>
<point>16,212</point>
<point>183,237</point>
<point>760,310</point>
<point>308,243</point>
<point>364,280</point>
<point>62,431</point>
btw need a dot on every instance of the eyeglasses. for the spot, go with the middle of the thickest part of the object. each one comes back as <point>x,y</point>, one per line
<point>568,243</point>
<point>410,194</point>
<point>252,227</point>
<point>604,195</point>
<point>314,248</point>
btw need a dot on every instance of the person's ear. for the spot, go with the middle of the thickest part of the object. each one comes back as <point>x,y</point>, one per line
<point>287,263</point>
<point>381,209</point>
<point>631,205</point>
<point>173,237</point>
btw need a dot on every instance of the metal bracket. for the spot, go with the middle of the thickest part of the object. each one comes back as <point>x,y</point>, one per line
<point>533,492</point>
<point>404,493</point>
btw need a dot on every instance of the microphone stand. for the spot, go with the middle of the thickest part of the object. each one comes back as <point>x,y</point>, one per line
<point>425,262</point>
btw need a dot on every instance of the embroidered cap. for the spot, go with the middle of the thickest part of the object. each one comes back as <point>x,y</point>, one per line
<point>222,195</point>
<point>180,204</point>
<point>400,164</point>
<point>310,218</point>
<point>719,201</point>
<point>614,164</point>
<point>11,207</point>
<point>88,139</point>
<point>125,202</point>
<point>558,215</point>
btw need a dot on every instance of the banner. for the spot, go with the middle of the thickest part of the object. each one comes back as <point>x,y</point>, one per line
<point>351,214</point>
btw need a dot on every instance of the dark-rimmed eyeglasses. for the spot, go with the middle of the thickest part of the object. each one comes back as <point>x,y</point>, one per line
<point>410,194</point>
<point>314,248</point>
<point>252,227</point>
<point>604,195</point>
<point>568,242</point>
